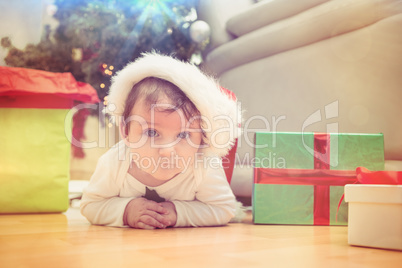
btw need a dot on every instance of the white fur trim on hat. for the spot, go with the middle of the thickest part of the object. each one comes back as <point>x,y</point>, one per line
<point>220,112</point>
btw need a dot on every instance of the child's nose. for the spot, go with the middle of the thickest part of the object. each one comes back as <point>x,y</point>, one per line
<point>167,151</point>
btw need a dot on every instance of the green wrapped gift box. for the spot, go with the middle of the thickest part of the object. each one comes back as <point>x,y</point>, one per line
<point>35,138</point>
<point>299,177</point>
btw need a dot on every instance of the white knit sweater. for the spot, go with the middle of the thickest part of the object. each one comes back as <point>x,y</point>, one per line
<point>201,195</point>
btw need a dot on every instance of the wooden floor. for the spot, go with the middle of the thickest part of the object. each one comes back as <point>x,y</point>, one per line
<point>68,240</point>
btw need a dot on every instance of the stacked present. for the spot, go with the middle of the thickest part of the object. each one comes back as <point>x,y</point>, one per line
<point>299,178</point>
<point>375,209</point>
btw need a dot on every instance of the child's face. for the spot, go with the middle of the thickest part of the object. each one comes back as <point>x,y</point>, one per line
<point>163,143</point>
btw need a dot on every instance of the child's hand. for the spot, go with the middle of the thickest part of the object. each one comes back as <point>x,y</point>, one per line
<point>172,215</point>
<point>146,214</point>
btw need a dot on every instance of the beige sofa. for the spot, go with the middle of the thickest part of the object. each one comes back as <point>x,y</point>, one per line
<point>309,65</point>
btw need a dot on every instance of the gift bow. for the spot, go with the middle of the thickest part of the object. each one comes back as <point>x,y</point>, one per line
<point>365,176</point>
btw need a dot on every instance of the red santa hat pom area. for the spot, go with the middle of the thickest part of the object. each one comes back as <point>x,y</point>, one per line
<point>220,113</point>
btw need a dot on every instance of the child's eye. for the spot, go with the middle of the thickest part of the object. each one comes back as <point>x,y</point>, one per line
<point>151,133</point>
<point>183,135</point>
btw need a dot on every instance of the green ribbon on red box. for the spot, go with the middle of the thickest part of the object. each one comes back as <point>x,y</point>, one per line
<point>321,177</point>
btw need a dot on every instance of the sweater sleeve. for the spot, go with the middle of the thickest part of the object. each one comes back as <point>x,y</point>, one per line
<point>101,203</point>
<point>214,203</point>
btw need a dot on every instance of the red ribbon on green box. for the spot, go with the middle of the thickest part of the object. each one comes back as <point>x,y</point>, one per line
<point>321,177</point>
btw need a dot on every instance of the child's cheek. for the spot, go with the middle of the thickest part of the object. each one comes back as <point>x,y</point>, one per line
<point>137,137</point>
<point>195,141</point>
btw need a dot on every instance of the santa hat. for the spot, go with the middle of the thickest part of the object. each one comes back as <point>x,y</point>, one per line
<point>220,112</point>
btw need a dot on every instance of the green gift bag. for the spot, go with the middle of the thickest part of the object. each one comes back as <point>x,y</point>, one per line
<point>35,134</point>
<point>299,177</point>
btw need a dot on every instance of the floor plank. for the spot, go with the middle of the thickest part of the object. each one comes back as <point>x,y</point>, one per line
<point>68,240</point>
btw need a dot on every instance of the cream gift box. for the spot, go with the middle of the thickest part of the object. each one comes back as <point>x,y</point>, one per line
<point>375,215</point>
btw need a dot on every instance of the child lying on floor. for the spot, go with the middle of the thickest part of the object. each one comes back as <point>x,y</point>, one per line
<point>176,124</point>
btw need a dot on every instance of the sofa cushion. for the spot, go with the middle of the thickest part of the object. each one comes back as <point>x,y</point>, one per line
<point>324,21</point>
<point>265,13</point>
<point>359,70</point>
<point>216,14</point>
